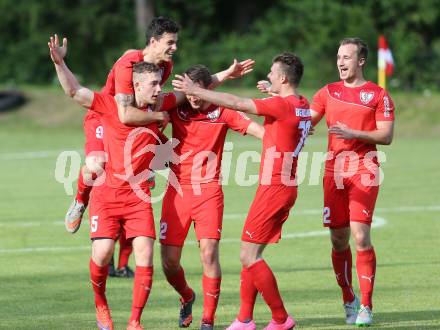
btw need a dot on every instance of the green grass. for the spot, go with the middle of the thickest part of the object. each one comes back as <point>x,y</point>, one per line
<point>42,288</point>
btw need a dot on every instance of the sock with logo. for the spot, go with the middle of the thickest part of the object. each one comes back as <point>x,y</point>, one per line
<point>143,280</point>
<point>248,294</point>
<point>266,284</point>
<point>98,277</point>
<point>342,263</point>
<point>179,283</point>
<point>366,271</point>
<point>211,294</point>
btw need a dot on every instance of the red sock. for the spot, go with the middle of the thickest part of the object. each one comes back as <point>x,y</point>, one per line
<point>125,249</point>
<point>98,277</point>
<point>179,283</point>
<point>143,281</point>
<point>211,294</point>
<point>248,294</point>
<point>342,263</point>
<point>83,191</point>
<point>366,271</point>
<point>266,284</point>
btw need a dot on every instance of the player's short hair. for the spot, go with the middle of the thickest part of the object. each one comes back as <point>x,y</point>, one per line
<point>292,67</point>
<point>144,67</point>
<point>199,73</point>
<point>159,26</point>
<point>362,48</point>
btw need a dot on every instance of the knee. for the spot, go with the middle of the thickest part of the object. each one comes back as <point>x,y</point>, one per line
<point>170,265</point>
<point>102,257</point>
<point>362,240</point>
<point>209,257</point>
<point>246,259</point>
<point>339,243</point>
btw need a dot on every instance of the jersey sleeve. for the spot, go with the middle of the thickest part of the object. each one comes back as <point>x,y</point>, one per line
<point>319,101</point>
<point>385,108</point>
<point>123,78</point>
<point>271,107</point>
<point>236,120</point>
<point>100,102</point>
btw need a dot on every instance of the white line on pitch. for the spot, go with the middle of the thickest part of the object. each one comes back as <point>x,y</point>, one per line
<point>378,222</point>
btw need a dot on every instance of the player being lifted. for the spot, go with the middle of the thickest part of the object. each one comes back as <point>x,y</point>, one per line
<point>115,205</point>
<point>196,195</point>
<point>287,121</point>
<point>360,115</point>
<point>161,44</point>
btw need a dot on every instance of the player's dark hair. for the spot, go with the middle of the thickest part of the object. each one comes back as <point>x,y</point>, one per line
<point>142,67</point>
<point>362,48</point>
<point>199,73</point>
<point>292,67</point>
<point>159,26</point>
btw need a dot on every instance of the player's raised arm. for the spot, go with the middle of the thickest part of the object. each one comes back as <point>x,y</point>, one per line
<point>236,70</point>
<point>82,95</point>
<point>185,85</point>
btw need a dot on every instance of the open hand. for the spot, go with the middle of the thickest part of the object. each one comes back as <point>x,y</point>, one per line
<point>183,84</point>
<point>57,52</point>
<point>239,69</point>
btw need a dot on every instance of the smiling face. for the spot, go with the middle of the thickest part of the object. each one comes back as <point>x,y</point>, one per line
<point>146,88</point>
<point>164,47</point>
<point>348,62</point>
<point>276,77</point>
<point>196,102</point>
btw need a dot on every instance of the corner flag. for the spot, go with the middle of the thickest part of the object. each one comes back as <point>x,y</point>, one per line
<point>385,61</point>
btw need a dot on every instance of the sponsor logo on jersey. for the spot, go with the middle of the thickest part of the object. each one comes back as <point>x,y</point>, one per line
<point>337,94</point>
<point>302,112</point>
<point>386,105</point>
<point>366,97</point>
<point>183,113</point>
<point>213,115</point>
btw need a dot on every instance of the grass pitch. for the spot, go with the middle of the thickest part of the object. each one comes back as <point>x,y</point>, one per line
<point>44,281</point>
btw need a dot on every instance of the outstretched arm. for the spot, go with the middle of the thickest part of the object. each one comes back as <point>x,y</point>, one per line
<point>81,95</point>
<point>185,85</point>
<point>236,70</point>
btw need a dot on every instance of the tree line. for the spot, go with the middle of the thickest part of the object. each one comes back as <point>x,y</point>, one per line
<point>216,31</point>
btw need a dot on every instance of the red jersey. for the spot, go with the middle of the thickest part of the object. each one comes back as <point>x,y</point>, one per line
<point>359,108</point>
<point>286,124</point>
<point>120,78</point>
<point>129,149</point>
<point>202,136</point>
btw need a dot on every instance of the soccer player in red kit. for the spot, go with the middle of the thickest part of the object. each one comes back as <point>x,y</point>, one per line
<point>360,115</point>
<point>161,44</point>
<point>117,204</point>
<point>194,193</point>
<point>287,121</point>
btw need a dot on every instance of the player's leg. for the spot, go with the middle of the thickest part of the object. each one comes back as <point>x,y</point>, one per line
<point>362,204</point>
<point>143,279</point>
<point>102,250</point>
<point>93,168</point>
<point>207,212</point>
<point>336,216</point>
<point>138,224</point>
<point>125,250</point>
<point>211,281</point>
<point>263,226</point>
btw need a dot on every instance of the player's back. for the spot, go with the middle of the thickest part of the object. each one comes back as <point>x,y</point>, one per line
<point>286,124</point>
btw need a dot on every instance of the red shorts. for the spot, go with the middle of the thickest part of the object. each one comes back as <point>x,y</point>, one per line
<point>178,212</point>
<point>113,210</point>
<point>268,212</point>
<point>354,201</point>
<point>93,132</point>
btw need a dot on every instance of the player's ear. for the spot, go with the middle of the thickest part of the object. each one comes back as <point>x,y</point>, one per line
<point>284,79</point>
<point>361,61</point>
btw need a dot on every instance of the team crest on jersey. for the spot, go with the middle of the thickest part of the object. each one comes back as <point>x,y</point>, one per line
<point>183,113</point>
<point>99,132</point>
<point>366,97</point>
<point>213,115</point>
